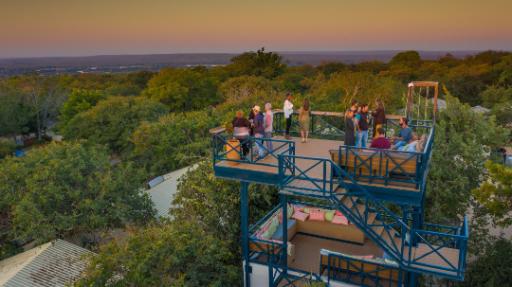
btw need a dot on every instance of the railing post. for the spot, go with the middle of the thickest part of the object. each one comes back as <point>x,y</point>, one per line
<point>284,255</point>
<point>244,219</point>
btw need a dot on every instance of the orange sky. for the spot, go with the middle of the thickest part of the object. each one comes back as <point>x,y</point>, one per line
<point>80,27</point>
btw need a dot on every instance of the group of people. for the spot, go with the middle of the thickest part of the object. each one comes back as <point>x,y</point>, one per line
<point>357,124</point>
<point>259,124</point>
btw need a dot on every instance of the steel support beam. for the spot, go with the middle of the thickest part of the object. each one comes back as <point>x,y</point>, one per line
<point>244,221</point>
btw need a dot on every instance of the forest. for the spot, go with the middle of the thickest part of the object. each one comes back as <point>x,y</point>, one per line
<point>121,130</point>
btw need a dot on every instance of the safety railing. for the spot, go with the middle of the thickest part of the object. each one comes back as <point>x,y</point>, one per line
<point>247,150</point>
<point>390,231</point>
<point>388,167</point>
<point>356,270</point>
<point>325,125</point>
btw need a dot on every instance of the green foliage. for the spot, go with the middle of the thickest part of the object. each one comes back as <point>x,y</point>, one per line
<point>15,113</point>
<point>493,268</point>
<point>214,204</point>
<point>260,63</point>
<point>496,193</point>
<point>183,89</point>
<point>494,95</point>
<point>174,141</point>
<point>336,93</point>
<point>171,254</point>
<point>7,147</point>
<point>461,140</point>
<point>112,121</point>
<point>66,189</point>
<point>408,58</point>
<point>246,91</point>
<point>79,101</point>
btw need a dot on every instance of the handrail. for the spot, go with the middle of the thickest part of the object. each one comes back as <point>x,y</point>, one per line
<point>342,263</point>
<point>407,233</point>
<point>220,140</point>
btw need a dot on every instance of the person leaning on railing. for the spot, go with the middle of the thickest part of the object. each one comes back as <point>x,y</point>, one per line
<point>350,139</point>
<point>241,131</point>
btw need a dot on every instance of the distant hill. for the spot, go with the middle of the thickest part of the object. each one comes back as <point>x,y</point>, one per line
<point>125,63</point>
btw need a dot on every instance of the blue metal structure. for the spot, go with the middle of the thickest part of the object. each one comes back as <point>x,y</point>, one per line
<point>361,184</point>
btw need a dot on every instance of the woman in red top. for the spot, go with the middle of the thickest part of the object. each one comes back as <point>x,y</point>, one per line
<point>380,141</point>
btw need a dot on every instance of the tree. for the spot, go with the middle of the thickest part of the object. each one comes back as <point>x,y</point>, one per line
<point>461,140</point>
<point>214,204</point>
<point>245,91</point>
<point>175,140</point>
<point>170,254</point>
<point>494,95</point>
<point>340,89</point>
<point>410,59</point>
<point>66,189</point>
<point>15,114</point>
<point>7,147</point>
<point>112,121</point>
<point>183,89</point>
<point>79,101</point>
<point>493,268</point>
<point>260,63</point>
<point>495,194</point>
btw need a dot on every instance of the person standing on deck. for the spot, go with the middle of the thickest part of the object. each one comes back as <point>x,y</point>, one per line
<point>268,124</point>
<point>259,131</point>
<point>252,115</point>
<point>362,126</point>
<point>350,139</point>
<point>379,118</point>
<point>304,120</point>
<point>241,131</point>
<point>288,112</point>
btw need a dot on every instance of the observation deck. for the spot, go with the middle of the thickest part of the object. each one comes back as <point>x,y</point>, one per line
<point>374,244</point>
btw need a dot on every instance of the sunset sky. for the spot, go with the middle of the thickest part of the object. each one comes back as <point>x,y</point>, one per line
<point>94,27</point>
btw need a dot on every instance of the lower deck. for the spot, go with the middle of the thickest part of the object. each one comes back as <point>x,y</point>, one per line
<point>307,251</point>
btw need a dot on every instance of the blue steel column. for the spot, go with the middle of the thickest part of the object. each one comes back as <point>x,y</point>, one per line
<point>284,259</point>
<point>244,221</point>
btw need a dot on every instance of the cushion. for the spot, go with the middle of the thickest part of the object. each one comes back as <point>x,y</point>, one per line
<point>272,227</point>
<point>338,213</point>
<point>298,208</point>
<point>340,220</point>
<point>299,215</point>
<point>306,210</point>
<point>329,215</point>
<point>317,215</point>
<point>290,210</point>
<point>278,235</point>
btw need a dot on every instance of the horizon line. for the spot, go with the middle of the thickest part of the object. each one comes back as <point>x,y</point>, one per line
<point>275,51</point>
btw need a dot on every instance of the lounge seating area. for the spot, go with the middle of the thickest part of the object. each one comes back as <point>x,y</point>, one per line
<point>310,229</point>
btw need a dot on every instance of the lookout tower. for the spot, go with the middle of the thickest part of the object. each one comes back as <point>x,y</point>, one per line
<point>346,215</point>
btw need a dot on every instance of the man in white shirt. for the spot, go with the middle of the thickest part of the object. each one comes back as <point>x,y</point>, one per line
<point>288,111</point>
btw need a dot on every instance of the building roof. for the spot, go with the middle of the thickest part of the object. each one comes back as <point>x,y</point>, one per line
<point>163,188</point>
<point>56,263</point>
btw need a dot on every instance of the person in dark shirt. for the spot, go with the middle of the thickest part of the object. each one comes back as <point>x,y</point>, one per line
<point>362,126</point>
<point>241,131</point>
<point>259,131</point>
<point>405,134</point>
<point>350,139</point>
<point>380,141</point>
<point>379,118</point>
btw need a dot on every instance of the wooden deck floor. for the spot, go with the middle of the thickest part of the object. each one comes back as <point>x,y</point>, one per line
<point>307,251</point>
<point>313,148</point>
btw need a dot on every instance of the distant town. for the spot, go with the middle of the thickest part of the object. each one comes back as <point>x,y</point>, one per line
<point>131,63</point>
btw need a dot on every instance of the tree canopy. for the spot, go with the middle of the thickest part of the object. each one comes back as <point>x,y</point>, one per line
<point>112,121</point>
<point>63,189</point>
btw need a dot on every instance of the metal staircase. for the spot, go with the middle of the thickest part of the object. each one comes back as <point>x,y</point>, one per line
<point>435,249</point>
